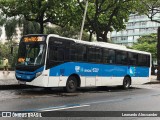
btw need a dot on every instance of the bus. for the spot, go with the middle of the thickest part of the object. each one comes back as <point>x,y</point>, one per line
<point>55,61</point>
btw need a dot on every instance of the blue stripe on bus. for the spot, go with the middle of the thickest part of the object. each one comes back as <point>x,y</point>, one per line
<point>25,75</point>
<point>89,69</point>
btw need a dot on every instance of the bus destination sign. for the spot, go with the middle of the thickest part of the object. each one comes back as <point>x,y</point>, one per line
<point>33,39</point>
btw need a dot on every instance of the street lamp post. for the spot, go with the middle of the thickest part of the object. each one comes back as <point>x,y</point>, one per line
<point>84,17</point>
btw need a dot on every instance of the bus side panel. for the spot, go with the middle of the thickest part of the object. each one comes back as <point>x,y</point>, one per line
<point>142,72</point>
<point>41,81</point>
<point>111,81</point>
<point>141,75</point>
<point>83,81</point>
<point>140,80</point>
<point>56,81</point>
<point>90,74</point>
<point>53,81</point>
<point>90,81</point>
<point>96,74</point>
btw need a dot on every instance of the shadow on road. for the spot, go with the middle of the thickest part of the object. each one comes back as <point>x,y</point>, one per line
<point>24,90</point>
<point>14,87</point>
<point>32,91</point>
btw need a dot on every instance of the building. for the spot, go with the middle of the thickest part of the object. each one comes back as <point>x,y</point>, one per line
<point>138,25</point>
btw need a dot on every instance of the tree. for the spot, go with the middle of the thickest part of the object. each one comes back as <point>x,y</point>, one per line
<point>10,28</point>
<point>105,15</point>
<point>102,16</point>
<point>150,8</point>
<point>67,31</point>
<point>40,11</point>
<point>28,27</point>
<point>2,18</point>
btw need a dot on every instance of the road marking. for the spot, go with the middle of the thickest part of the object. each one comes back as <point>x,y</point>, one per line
<point>71,106</point>
<point>65,107</point>
<point>62,108</point>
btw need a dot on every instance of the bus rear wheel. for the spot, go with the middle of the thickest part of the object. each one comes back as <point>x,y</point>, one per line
<point>71,85</point>
<point>126,83</point>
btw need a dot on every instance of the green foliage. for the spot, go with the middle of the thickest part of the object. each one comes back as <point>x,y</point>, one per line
<point>102,15</point>
<point>105,15</point>
<point>29,27</point>
<point>68,31</point>
<point>2,19</point>
<point>151,8</point>
<point>40,11</point>
<point>5,51</point>
<point>10,25</point>
<point>147,43</point>
<point>10,28</point>
<point>150,39</point>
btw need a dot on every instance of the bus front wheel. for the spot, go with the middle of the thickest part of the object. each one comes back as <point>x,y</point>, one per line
<point>126,82</point>
<point>71,85</point>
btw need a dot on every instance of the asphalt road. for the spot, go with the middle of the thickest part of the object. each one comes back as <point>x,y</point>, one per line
<point>94,101</point>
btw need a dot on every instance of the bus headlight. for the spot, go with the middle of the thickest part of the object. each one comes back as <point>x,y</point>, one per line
<point>38,74</point>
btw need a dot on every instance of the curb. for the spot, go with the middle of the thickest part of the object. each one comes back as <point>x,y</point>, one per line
<point>156,82</point>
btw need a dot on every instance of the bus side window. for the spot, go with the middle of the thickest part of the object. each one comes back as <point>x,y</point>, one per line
<point>60,54</point>
<point>84,53</point>
<point>56,53</point>
<point>67,56</point>
<point>111,56</point>
<point>73,52</point>
<point>91,54</point>
<point>142,60</point>
<point>121,57</point>
<point>105,56</point>
<point>52,53</point>
<point>108,56</point>
<point>98,55</point>
<point>81,52</point>
<point>132,58</point>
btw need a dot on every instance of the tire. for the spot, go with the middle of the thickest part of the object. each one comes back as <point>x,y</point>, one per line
<point>71,85</point>
<point>126,83</point>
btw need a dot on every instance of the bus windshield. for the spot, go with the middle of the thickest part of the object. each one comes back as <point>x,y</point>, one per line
<point>31,53</point>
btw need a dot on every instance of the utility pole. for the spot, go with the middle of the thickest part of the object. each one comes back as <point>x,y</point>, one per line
<point>158,53</point>
<point>84,17</point>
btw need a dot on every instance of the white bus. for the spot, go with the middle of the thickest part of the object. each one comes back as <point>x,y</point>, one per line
<point>54,61</point>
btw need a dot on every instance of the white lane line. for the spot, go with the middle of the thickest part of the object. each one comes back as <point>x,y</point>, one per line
<point>62,108</point>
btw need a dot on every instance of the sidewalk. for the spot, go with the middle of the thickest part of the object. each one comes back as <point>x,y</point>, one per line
<point>9,79</point>
<point>154,80</point>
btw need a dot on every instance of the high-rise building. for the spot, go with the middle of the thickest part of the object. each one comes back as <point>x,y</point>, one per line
<point>138,25</point>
